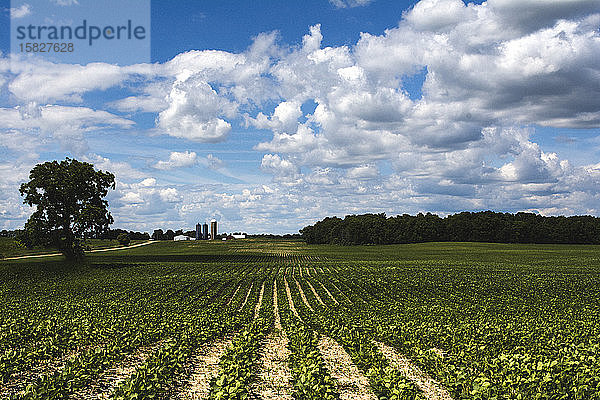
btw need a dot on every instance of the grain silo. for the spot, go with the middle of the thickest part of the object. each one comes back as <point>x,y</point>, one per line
<point>213,229</point>
<point>205,231</point>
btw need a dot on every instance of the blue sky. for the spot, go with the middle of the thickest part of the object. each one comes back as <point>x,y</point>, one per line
<point>271,115</point>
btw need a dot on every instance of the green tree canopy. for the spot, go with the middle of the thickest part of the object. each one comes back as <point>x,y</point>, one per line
<point>69,200</point>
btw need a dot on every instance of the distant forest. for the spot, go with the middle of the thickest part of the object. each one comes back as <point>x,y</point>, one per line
<point>485,226</point>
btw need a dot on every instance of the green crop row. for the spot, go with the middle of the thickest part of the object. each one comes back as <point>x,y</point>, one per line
<point>512,334</point>
<point>142,330</point>
<point>310,378</point>
<point>386,381</point>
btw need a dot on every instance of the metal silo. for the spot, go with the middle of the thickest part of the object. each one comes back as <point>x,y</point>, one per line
<point>213,229</point>
<point>205,231</point>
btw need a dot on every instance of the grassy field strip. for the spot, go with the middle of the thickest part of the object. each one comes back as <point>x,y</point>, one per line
<point>203,367</point>
<point>310,378</point>
<point>352,384</point>
<point>431,389</point>
<point>89,251</point>
<point>276,307</point>
<point>302,296</point>
<point>274,376</point>
<point>104,384</point>
<point>260,298</point>
<point>246,298</point>
<point>290,301</point>
<point>315,292</point>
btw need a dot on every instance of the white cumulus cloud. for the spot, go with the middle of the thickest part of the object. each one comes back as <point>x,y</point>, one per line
<point>177,160</point>
<point>20,12</point>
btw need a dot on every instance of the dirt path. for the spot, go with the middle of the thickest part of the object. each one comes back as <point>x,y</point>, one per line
<point>260,297</point>
<point>276,308</point>
<point>431,389</point>
<point>246,299</point>
<point>312,289</point>
<point>89,251</point>
<point>352,384</point>
<point>290,301</point>
<point>341,292</point>
<point>328,293</point>
<point>274,376</point>
<point>303,297</point>
<point>20,380</point>
<point>203,367</point>
<point>102,387</point>
<point>234,293</point>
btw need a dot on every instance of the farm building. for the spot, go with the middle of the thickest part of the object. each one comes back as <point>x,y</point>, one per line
<point>182,237</point>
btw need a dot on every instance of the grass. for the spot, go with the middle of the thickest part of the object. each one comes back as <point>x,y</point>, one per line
<point>10,247</point>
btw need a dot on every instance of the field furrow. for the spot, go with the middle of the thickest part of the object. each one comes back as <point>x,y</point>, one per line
<point>276,308</point>
<point>352,384</point>
<point>312,289</point>
<point>234,293</point>
<point>303,297</point>
<point>290,301</point>
<point>106,382</point>
<point>274,377</point>
<point>246,298</point>
<point>431,389</point>
<point>260,299</point>
<point>331,296</point>
<point>202,367</point>
<point>20,380</point>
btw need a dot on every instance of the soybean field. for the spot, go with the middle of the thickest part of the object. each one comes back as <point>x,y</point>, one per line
<point>268,319</point>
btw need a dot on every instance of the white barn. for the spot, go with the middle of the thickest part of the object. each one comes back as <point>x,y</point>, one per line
<point>182,237</point>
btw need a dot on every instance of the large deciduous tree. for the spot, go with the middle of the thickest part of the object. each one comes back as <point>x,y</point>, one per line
<point>69,200</point>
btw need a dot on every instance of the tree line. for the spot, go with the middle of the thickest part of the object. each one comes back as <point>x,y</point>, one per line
<point>158,234</point>
<point>485,226</point>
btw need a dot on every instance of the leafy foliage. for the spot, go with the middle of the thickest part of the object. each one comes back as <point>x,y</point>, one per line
<point>68,197</point>
<point>123,239</point>
<point>484,226</point>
